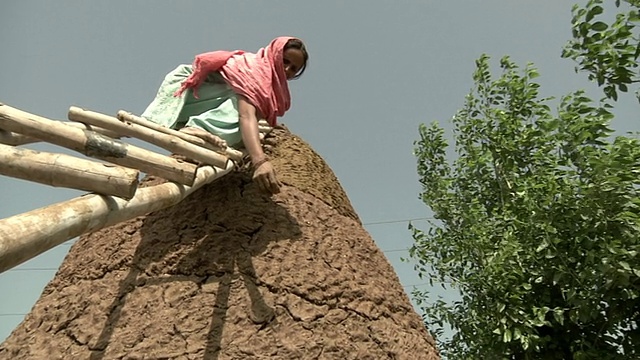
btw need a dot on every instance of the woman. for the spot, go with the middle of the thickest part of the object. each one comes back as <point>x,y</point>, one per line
<point>221,97</point>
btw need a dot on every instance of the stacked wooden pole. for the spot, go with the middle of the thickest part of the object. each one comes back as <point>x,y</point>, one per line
<point>15,139</point>
<point>117,197</point>
<point>67,171</point>
<point>27,235</point>
<point>131,119</point>
<point>96,145</point>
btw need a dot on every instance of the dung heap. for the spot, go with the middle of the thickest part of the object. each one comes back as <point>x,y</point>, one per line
<point>230,273</point>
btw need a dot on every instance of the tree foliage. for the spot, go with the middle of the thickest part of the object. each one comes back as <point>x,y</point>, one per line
<point>607,51</point>
<point>538,225</point>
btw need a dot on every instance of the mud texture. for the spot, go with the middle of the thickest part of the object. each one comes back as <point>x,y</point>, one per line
<point>230,273</point>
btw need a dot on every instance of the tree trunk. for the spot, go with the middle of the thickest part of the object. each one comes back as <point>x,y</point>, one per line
<point>230,273</point>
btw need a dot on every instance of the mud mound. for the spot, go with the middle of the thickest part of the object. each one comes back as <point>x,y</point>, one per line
<point>230,273</point>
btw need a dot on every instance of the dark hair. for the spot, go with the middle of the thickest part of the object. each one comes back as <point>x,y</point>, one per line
<point>298,44</point>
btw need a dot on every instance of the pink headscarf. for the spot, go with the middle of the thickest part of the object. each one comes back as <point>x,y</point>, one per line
<point>259,77</point>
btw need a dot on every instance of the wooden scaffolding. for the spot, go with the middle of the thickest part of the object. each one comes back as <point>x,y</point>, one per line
<point>112,184</point>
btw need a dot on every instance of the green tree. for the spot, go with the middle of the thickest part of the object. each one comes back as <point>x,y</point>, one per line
<point>607,51</point>
<point>537,226</point>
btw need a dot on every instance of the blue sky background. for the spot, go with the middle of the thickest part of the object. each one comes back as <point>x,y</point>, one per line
<point>377,70</point>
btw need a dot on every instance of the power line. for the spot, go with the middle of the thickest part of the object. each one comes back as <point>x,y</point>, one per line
<point>35,269</point>
<point>412,285</point>
<point>70,243</point>
<point>405,286</point>
<point>55,268</point>
<point>396,221</point>
<point>395,250</point>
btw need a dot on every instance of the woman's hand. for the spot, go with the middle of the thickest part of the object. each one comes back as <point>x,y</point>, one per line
<point>265,176</point>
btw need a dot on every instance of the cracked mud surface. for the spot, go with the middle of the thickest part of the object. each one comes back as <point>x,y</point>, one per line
<point>230,273</point>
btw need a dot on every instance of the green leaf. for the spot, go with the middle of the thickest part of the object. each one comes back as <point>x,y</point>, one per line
<point>517,334</point>
<point>506,336</point>
<point>599,26</point>
<point>543,245</point>
<point>559,316</point>
<point>501,307</point>
<point>596,10</point>
<point>625,265</point>
<point>557,276</point>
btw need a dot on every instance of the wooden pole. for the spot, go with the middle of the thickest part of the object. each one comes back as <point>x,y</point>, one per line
<point>67,171</point>
<point>96,145</point>
<point>228,151</point>
<point>15,139</point>
<point>27,235</point>
<point>168,142</point>
<point>264,127</point>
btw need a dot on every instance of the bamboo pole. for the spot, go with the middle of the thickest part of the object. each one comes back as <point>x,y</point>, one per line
<point>15,139</point>
<point>67,171</point>
<point>165,141</point>
<point>264,127</point>
<point>125,116</point>
<point>96,145</point>
<point>27,235</point>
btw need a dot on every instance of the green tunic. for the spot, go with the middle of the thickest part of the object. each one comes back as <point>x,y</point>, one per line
<point>215,111</point>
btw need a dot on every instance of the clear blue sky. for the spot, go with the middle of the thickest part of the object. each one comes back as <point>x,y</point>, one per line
<point>378,69</point>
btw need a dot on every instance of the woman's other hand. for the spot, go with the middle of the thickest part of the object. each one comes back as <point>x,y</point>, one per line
<point>264,175</point>
<point>263,172</point>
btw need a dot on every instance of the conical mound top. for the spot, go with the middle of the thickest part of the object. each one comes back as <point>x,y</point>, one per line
<point>230,273</point>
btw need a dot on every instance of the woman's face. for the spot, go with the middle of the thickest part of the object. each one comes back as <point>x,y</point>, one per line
<point>293,61</point>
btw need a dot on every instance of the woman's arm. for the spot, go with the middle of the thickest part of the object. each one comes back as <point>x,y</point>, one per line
<point>264,175</point>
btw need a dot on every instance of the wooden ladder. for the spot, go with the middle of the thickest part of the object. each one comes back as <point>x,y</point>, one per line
<point>113,185</point>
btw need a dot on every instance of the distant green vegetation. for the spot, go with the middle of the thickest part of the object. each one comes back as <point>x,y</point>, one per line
<point>539,215</point>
